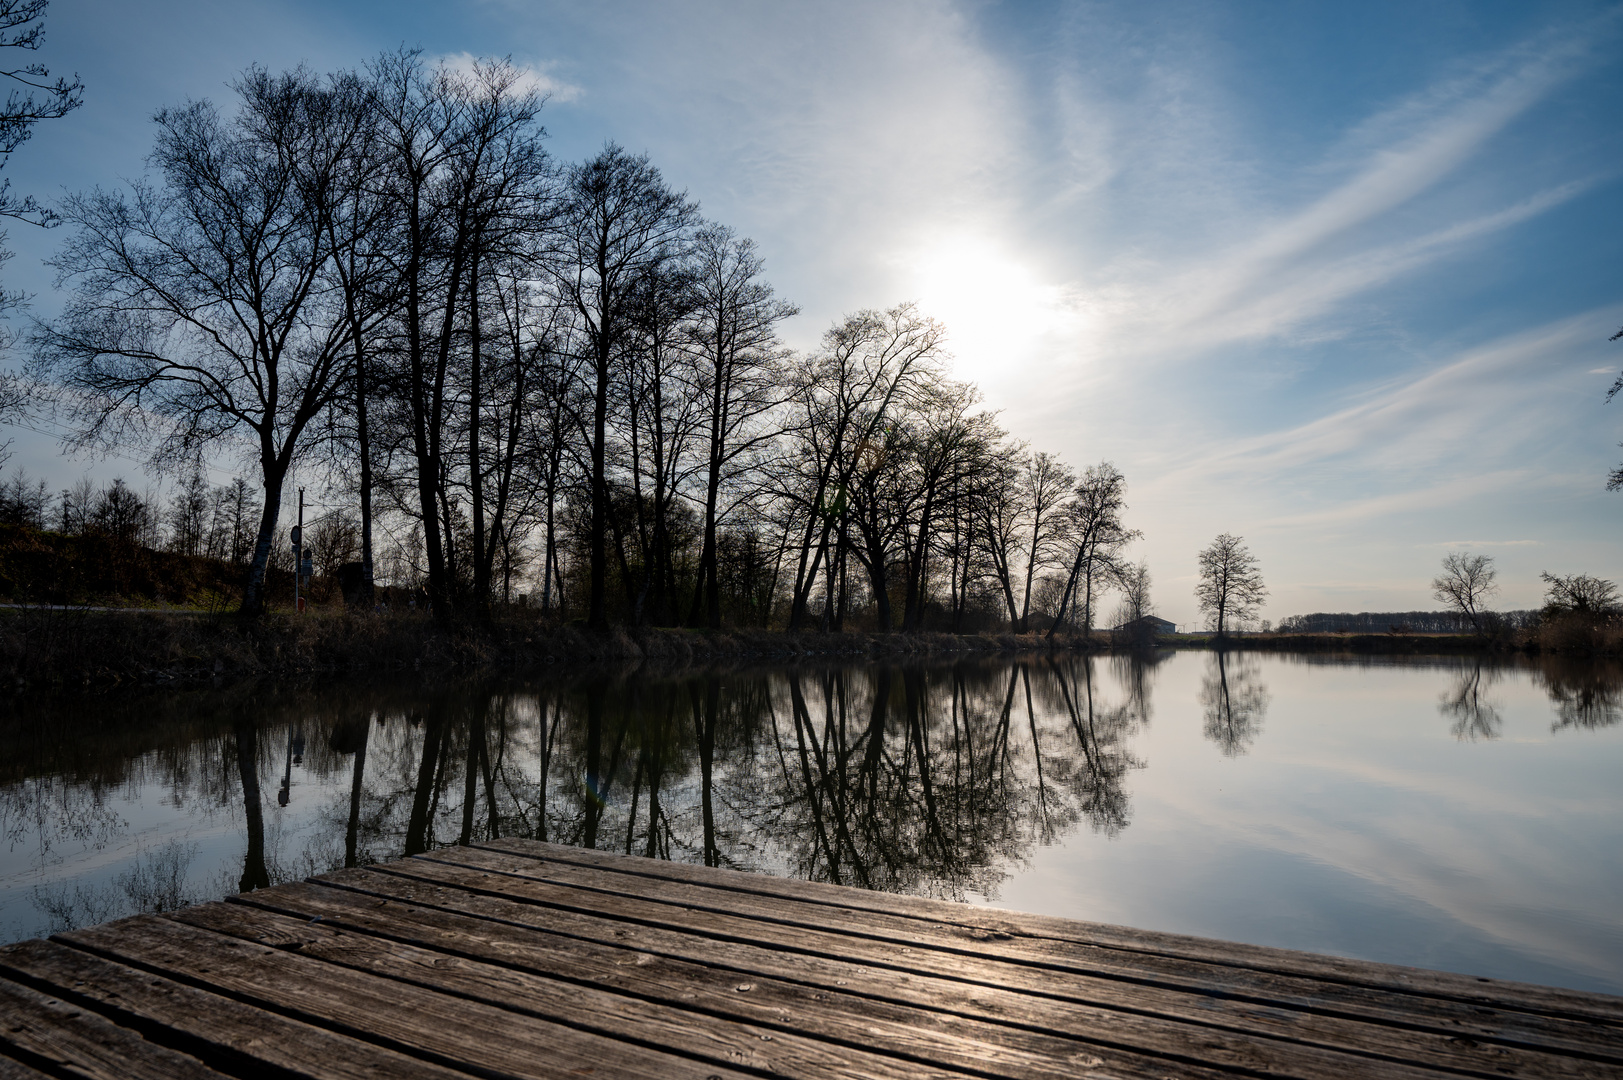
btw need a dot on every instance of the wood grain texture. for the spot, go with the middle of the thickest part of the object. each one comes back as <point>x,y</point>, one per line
<point>992,922</point>
<point>1482,1017</point>
<point>1210,1007</point>
<point>439,1027</point>
<point>11,1069</point>
<point>777,1049</point>
<point>522,960</point>
<point>49,1032</point>
<point>751,995</point>
<point>227,1034</point>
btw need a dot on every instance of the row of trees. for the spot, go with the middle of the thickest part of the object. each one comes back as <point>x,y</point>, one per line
<point>1468,583</point>
<point>559,371</point>
<point>198,519</point>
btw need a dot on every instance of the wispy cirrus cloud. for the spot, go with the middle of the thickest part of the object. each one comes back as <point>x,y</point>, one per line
<point>536,77</point>
<point>1420,419</point>
<point>1485,543</point>
<point>1272,270</point>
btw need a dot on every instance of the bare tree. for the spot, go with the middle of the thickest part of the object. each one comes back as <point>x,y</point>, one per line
<point>22,27</point>
<point>188,511</point>
<point>1046,484</point>
<point>737,344</point>
<point>998,512</point>
<point>618,220</point>
<point>1580,592</point>
<point>1466,584</point>
<point>468,181</point>
<point>195,312</point>
<point>844,399</point>
<point>1230,588</point>
<point>33,97</point>
<point>332,541</point>
<point>1135,595</point>
<point>1097,536</point>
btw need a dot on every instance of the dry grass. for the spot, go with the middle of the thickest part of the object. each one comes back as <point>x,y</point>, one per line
<point>1581,633</point>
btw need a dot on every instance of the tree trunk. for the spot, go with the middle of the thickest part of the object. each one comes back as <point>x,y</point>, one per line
<point>254,873</point>
<point>476,481</point>
<point>364,449</point>
<point>597,615</point>
<point>253,591</point>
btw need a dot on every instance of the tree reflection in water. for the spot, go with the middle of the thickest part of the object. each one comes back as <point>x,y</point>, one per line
<point>1235,701</point>
<point>1585,693</point>
<point>929,780</point>
<point>906,778</point>
<point>1473,716</point>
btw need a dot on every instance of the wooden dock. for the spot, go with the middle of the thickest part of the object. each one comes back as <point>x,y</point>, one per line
<point>519,959</point>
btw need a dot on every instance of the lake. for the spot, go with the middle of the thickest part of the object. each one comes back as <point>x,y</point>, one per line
<point>1450,813</point>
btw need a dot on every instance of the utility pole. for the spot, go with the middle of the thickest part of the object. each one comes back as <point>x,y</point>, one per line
<point>298,557</point>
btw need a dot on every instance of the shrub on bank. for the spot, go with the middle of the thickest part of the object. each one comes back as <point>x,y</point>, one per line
<point>1595,632</point>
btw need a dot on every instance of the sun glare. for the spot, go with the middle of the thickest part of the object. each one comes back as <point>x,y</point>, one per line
<point>996,310</point>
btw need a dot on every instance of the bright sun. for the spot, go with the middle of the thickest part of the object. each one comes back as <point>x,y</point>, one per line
<point>995,308</point>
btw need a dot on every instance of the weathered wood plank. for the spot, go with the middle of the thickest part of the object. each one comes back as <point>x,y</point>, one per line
<point>529,961</point>
<point>440,1027</point>
<point>218,1030</point>
<point>1444,1016</point>
<point>989,922</point>
<point>12,1069</point>
<point>1049,999</point>
<point>1448,1016</point>
<point>847,1019</point>
<point>45,1031</point>
<point>1286,1010</point>
<point>778,1049</point>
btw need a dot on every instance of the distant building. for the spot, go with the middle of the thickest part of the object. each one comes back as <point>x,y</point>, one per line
<point>1153,623</point>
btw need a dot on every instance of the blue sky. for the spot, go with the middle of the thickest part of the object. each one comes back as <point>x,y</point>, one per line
<point>1334,277</point>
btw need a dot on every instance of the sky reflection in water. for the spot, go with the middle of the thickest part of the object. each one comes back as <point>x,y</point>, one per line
<point>1448,814</point>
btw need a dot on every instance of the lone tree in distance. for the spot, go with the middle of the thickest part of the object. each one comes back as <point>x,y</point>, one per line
<point>1230,588</point>
<point>1583,593</point>
<point>1466,584</point>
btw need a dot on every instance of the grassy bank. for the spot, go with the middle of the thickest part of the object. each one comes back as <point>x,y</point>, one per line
<point>1400,644</point>
<point>56,647</point>
<point>1566,634</point>
<point>44,646</point>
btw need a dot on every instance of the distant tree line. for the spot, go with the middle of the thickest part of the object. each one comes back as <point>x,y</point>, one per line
<point>1467,584</point>
<point>1384,622</point>
<point>215,522</point>
<point>523,374</point>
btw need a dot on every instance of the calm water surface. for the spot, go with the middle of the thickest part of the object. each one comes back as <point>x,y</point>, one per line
<point>1451,814</point>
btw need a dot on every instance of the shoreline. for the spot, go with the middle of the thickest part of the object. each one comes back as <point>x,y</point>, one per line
<point>41,646</point>
<point>90,648</point>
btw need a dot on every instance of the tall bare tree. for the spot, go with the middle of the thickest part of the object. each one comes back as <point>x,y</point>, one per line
<point>197,314</point>
<point>33,97</point>
<point>737,344</point>
<point>1046,488</point>
<point>1097,537</point>
<point>843,401</point>
<point>468,178</point>
<point>1230,588</point>
<point>618,219</point>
